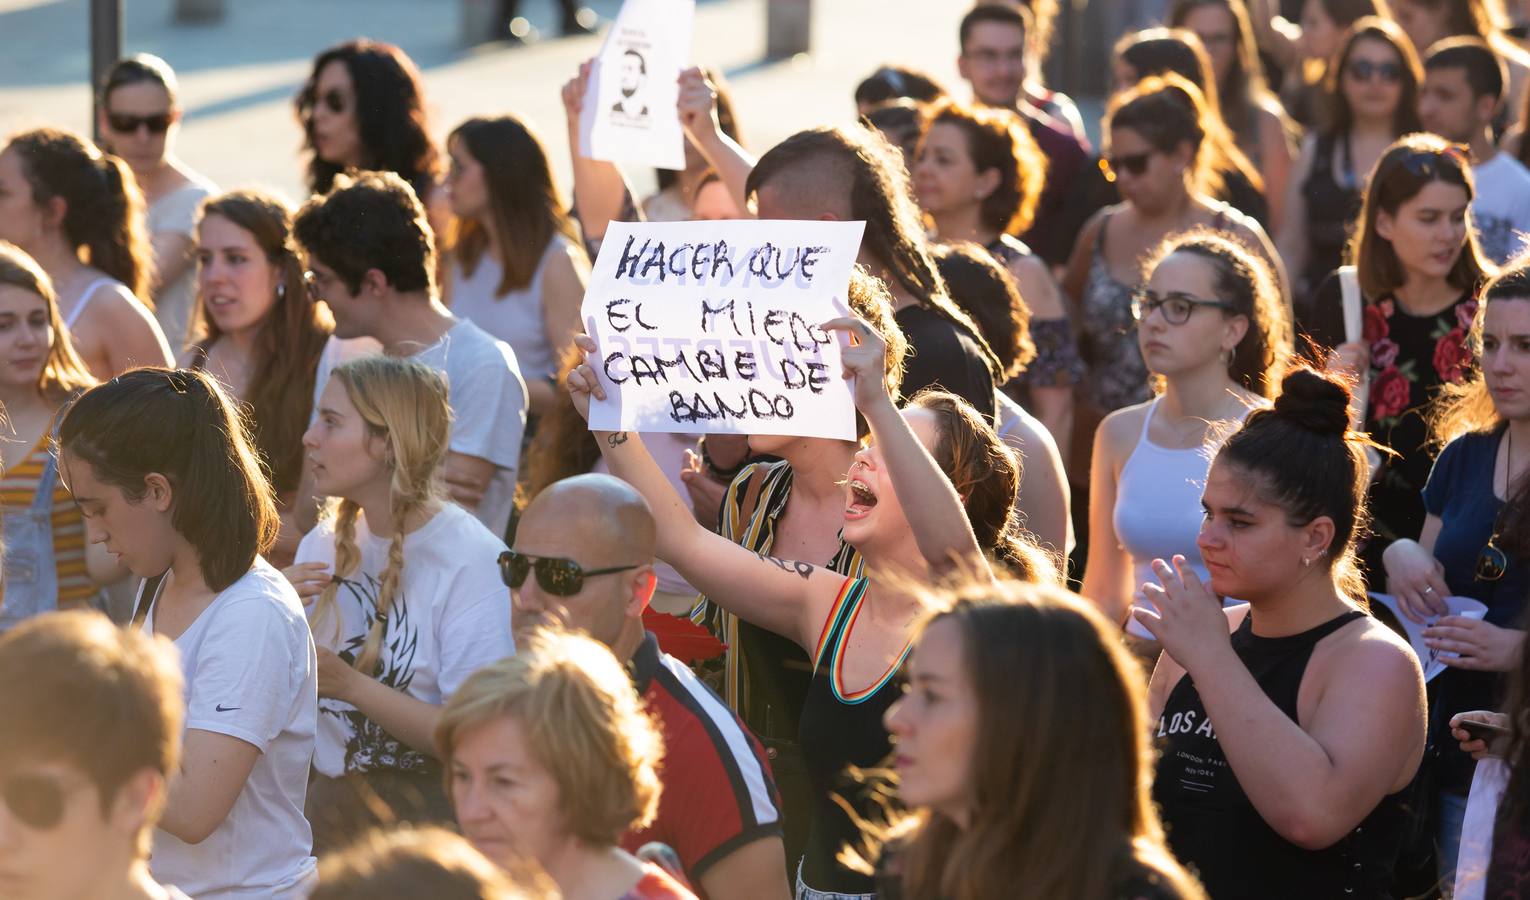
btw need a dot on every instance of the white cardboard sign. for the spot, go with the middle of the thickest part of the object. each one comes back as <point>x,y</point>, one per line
<point>714,327</point>
<point>628,113</point>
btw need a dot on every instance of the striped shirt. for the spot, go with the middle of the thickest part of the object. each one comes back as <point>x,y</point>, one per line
<point>18,487</point>
<point>718,793</point>
<point>767,675</point>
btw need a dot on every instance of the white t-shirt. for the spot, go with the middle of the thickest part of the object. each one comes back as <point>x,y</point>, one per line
<point>251,673</point>
<point>450,618</point>
<point>488,401</point>
<point>1501,208</point>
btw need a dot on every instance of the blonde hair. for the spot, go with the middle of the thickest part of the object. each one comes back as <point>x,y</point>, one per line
<point>404,402</point>
<point>585,725</point>
<point>422,862</point>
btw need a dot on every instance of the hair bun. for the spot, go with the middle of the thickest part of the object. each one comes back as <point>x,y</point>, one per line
<point>1314,401</point>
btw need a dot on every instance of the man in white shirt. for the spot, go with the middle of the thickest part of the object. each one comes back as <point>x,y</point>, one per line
<point>1463,88</point>
<point>92,734</point>
<point>372,260</point>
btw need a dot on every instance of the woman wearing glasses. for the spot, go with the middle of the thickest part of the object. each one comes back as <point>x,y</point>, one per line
<point>1372,101</point>
<point>1418,268</point>
<point>1212,330</point>
<point>1476,536</point>
<point>404,591</point>
<point>1164,149</point>
<point>139,120</point>
<point>363,108</point>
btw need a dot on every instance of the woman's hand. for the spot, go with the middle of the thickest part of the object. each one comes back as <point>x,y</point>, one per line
<point>865,360</point>
<point>1350,359</point>
<point>335,675</point>
<point>698,107</point>
<point>1416,579</point>
<point>1480,646</point>
<point>1477,747</point>
<point>1189,622</point>
<point>574,89</point>
<point>582,383</point>
<point>706,492</point>
<point>309,579</point>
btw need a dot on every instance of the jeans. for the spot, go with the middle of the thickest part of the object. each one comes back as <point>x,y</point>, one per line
<point>1452,814</point>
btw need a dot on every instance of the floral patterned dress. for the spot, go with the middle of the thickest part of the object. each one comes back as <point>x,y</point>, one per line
<point>1411,357</point>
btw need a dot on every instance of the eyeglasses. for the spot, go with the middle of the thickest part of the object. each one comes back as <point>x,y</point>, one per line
<point>126,124</point>
<point>1134,164</point>
<point>559,577</point>
<point>36,800</point>
<point>1425,164</point>
<point>1365,70</point>
<point>1177,307</point>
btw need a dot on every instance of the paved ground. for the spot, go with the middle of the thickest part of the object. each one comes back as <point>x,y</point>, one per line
<point>238,77</point>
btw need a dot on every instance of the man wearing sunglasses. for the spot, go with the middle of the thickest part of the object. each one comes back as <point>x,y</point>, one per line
<point>583,559</point>
<point>92,730</point>
<point>1463,90</point>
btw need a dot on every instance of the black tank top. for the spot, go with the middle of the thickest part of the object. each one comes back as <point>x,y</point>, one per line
<point>841,729</point>
<point>1331,208</point>
<point>1213,827</point>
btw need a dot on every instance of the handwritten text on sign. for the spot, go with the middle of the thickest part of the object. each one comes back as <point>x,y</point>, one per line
<point>714,327</point>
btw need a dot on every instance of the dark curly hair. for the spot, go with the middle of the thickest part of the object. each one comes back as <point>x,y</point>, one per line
<point>390,115</point>
<point>372,221</point>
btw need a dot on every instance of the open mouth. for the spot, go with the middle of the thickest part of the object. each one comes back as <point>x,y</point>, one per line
<point>862,499</point>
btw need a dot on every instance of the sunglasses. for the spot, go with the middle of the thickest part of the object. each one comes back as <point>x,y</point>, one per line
<point>334,100</point>
<point>1365,70</point>
<point>1492,562</point>
<point>559,577</point>
<point>1134,164</point>
<point>1177,307</point>
<point>36,801</point>
<point>123,123</point>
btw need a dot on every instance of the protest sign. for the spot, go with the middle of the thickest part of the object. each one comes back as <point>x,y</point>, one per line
<point>628,113</point>
<point>714,327</point>
<point>1432,661</point>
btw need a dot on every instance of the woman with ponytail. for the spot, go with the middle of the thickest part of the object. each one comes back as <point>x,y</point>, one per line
<point>1287,747</point>
<point>79,213</point>
<point>1165,152</point>
<point>409,597</point>
<point>161,467</point>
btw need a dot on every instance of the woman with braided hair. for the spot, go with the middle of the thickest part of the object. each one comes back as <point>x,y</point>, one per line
<point>405,592</point>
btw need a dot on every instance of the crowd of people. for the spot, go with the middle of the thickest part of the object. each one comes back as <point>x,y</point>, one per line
<point>317,583</point>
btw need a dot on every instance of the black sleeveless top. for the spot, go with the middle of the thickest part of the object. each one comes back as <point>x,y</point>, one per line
<point>1331,209</point>
<point>1214,828</point>
<point>840,729</point>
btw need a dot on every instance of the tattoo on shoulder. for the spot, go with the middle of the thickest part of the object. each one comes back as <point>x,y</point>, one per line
<point>616,439</point>
<point>800,569</point>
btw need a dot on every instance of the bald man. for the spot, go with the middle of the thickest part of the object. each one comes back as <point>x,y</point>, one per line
<point>583,559</point>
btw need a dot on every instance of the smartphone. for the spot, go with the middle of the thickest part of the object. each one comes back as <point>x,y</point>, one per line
<point>1482,731</point>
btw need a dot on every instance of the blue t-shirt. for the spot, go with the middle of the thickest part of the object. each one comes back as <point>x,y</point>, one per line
<point>1460,493</point>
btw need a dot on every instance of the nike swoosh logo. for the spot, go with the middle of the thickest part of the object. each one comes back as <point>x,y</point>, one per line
<point>221,708</point>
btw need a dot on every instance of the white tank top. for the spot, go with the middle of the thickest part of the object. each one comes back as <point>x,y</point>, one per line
<point>515,318</point>
<point>1158,509</point>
